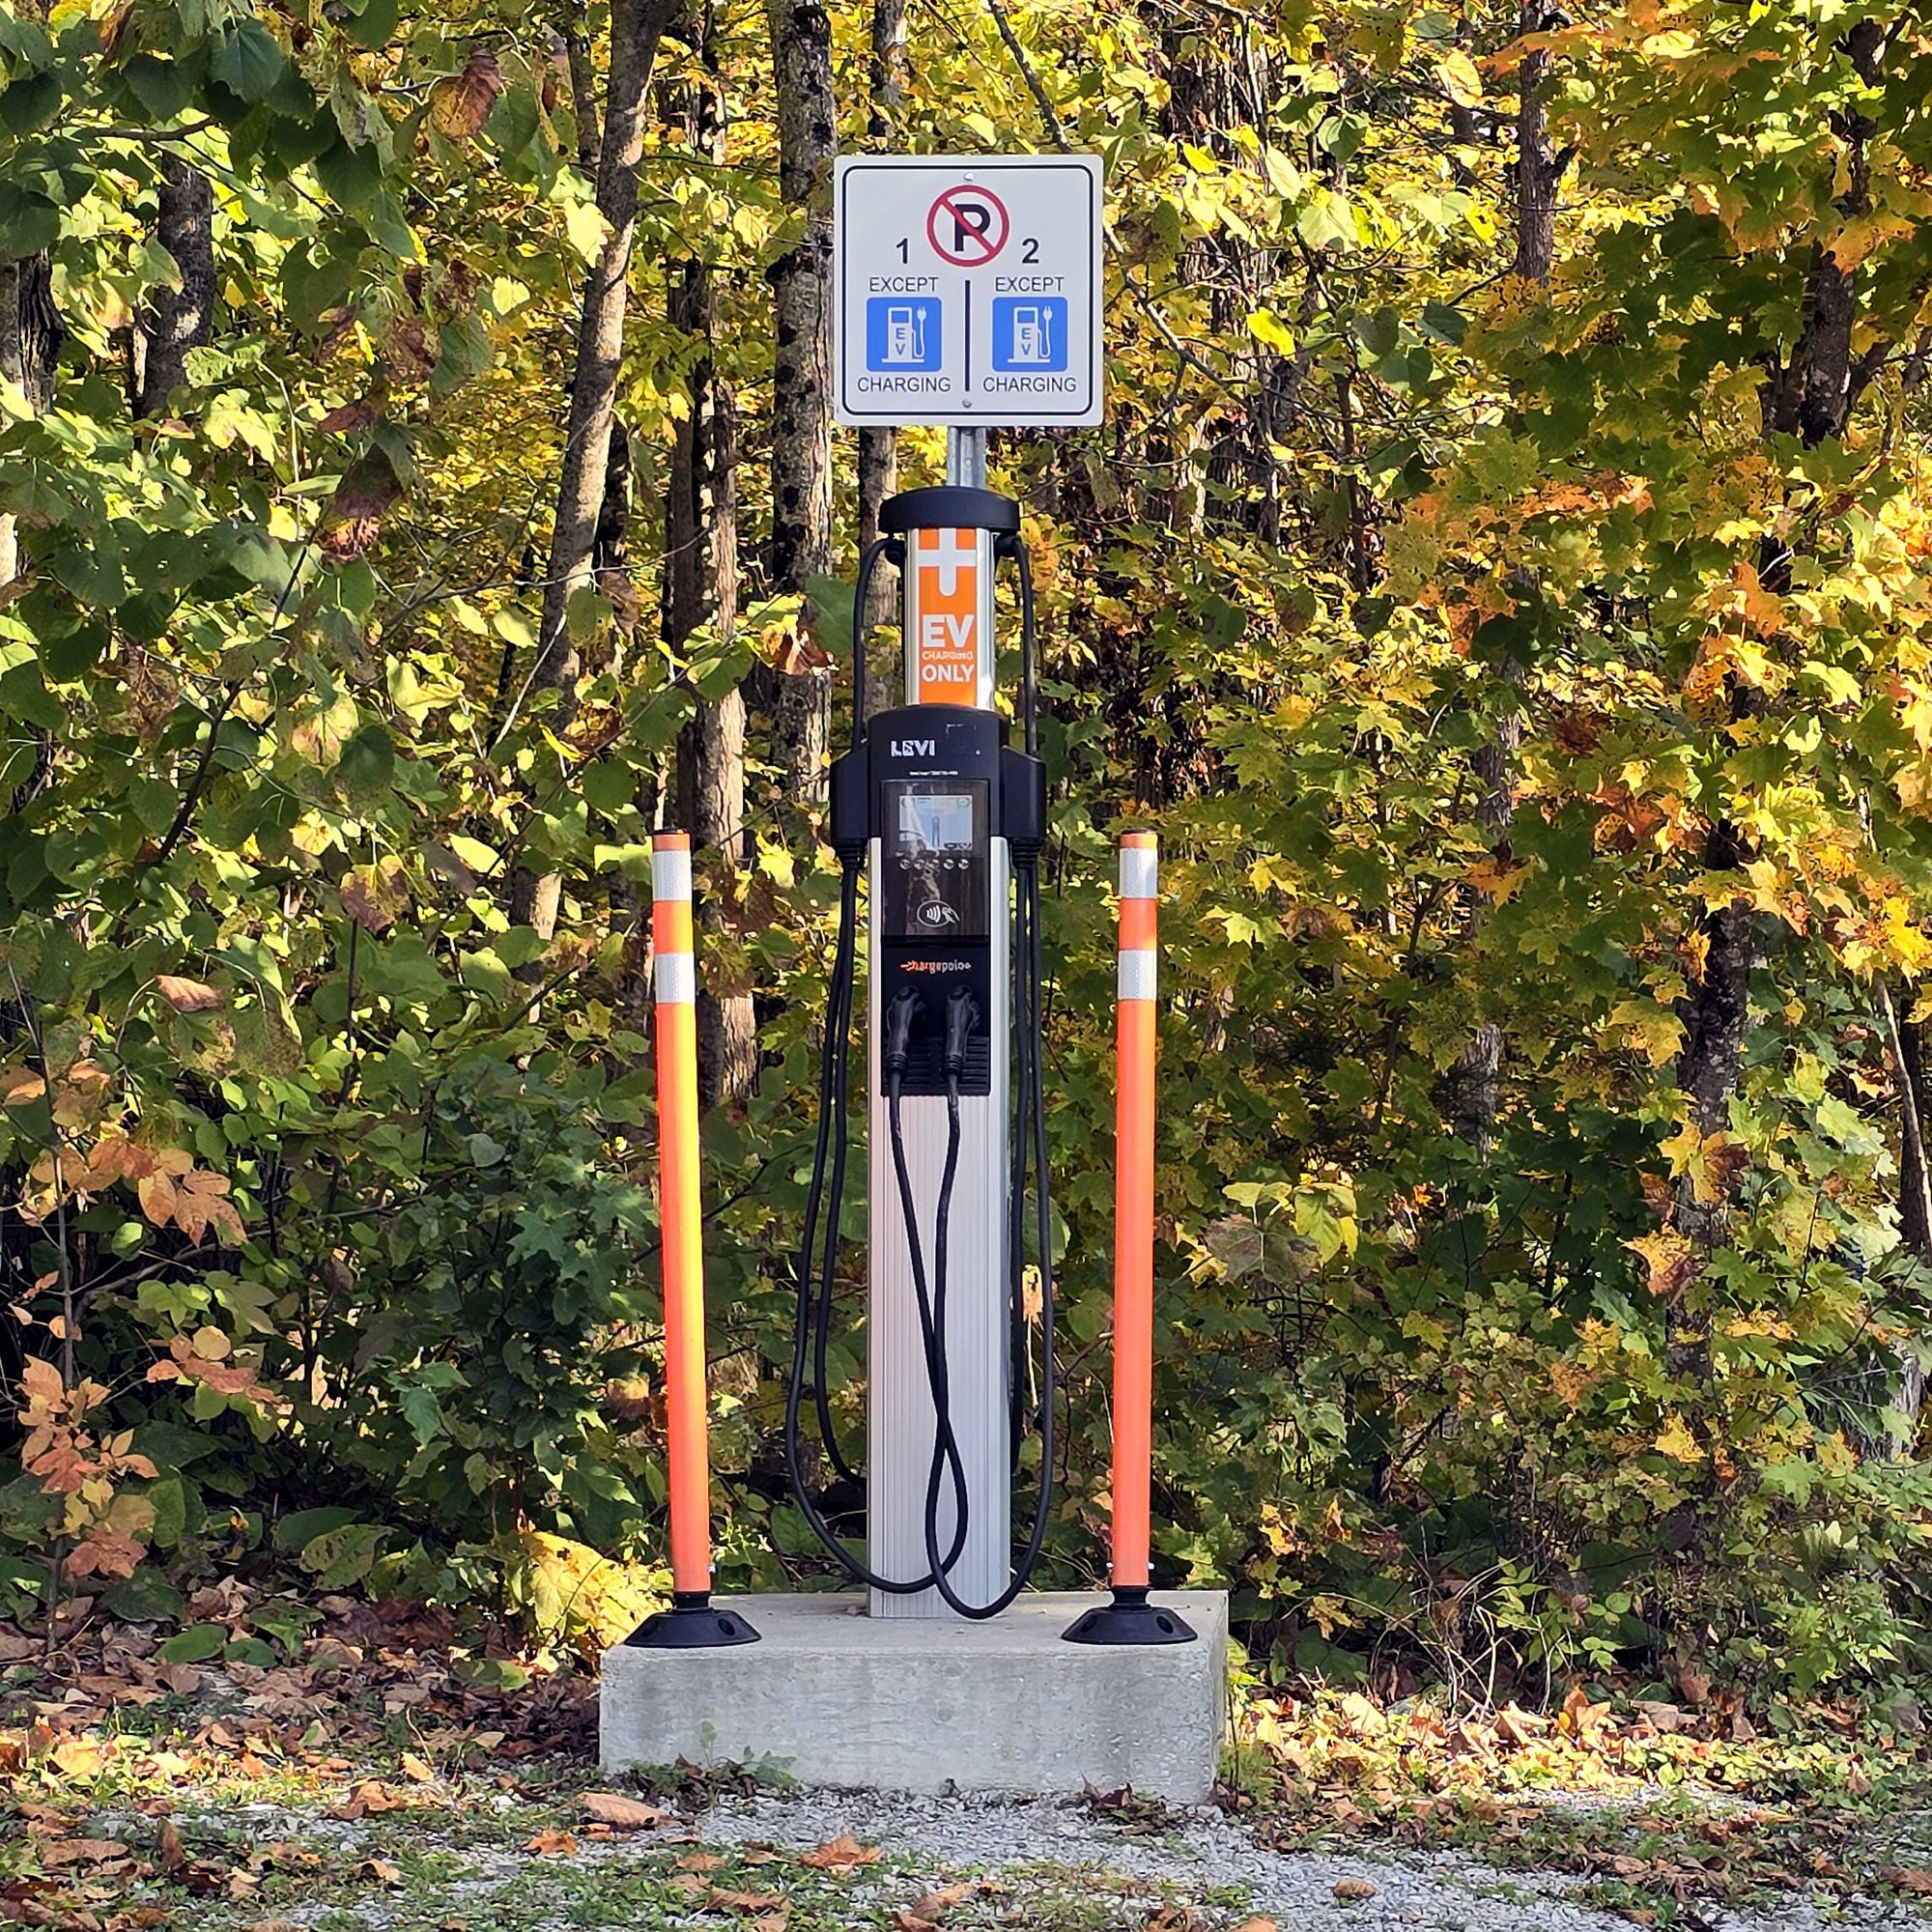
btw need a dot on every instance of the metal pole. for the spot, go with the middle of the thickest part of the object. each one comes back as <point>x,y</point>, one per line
<point>966,458</point>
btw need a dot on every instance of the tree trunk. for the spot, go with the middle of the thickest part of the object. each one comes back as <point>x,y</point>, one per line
<point>582,95</point>
<point>177,320</point>
<point>1539,167</point>
<point>1813,394</point>
<point>636,27</point>
<point>30,339</point>
<point>1475,1082</point>
<point>801,545</point>
<point>879,448</point>
<point>701,590</point>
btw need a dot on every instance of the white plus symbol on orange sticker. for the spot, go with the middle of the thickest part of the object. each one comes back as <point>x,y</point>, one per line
<point>948,556</point>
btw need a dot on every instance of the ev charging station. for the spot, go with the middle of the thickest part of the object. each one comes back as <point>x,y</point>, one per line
<point>968,294</point>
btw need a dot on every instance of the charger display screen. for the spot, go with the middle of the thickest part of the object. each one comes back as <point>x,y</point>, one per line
<point>939,821</point>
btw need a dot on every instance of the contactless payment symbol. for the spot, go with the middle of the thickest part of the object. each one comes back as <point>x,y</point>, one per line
<point>903,333</point>
<point>1030,332</point>
<point>968,226</point>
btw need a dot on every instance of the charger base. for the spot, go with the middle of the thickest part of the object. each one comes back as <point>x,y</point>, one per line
<point>1129,1619</point>
<point>691,1623</point>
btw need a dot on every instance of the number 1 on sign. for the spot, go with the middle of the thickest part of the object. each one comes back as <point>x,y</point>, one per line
<point>905,248</point>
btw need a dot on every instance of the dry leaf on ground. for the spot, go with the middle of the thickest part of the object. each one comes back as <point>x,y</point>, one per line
<point>931,1907</point>
<point>630,1814</point>
<point>721,1899</point>
<point>554,1844</point>
<point>81,1850</point>
<point>843,1854</point>
<point>1354,1887</point>
<point>1256,1926</point>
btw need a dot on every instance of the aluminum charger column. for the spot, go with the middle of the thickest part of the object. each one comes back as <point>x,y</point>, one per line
<point>949,660</point>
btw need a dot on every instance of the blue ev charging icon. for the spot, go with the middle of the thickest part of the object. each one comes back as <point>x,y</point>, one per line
<point>1030,332</point>
<point>902,332</point>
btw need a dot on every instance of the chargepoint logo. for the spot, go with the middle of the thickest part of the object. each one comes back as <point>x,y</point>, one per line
<point>935,915</point>
<point>935,966</point>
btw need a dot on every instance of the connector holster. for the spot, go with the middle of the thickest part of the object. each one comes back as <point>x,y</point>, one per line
<point>851,804</point>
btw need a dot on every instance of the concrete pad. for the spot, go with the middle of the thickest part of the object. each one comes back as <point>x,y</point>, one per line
<point>834,1697</point>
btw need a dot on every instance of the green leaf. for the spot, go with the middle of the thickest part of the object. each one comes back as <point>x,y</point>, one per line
<point>299,1530</point>
<point>31,102</point>
<point>196,1644</point>
<point>610,785</point>
<point>147,1597</point>
<point>29,222</point>
<point>343,1556</point>
<point>163,87</point>
<point>248,60</point>
<point>373,24</point>
<point>368,760</point>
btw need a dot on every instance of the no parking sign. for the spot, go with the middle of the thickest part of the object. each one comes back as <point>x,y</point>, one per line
<point>968,290</point>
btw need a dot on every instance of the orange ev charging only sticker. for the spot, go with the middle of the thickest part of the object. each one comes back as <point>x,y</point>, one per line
<point>945,647</point>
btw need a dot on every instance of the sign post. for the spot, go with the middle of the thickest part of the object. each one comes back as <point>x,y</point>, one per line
<point>968,291</point>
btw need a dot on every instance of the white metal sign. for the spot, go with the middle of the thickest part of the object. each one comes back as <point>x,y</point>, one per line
<point>968,290</point>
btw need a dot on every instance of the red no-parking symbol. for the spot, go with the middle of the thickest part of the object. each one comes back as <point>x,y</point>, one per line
<point>968,226</point>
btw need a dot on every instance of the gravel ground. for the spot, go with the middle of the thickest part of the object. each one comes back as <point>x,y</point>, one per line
<point>1441,1892</point>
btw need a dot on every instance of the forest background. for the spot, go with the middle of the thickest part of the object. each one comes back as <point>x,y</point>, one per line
<point>1502,581</point>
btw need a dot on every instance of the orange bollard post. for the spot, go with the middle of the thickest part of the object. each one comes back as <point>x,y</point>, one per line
<point>1130,1618</point>
<point>691,1622</point>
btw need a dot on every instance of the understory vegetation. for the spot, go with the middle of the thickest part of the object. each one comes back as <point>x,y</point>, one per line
<point>1502,581</point>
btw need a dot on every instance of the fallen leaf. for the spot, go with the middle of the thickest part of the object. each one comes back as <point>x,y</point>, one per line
<point>1908,1878</point>
<point>612,1807</point>
<point>169,1855</point>
<point>418,1769</point>
<point>1354,1887</point>
<point>81,1850</point>
<point>721,1899</point>
<point>931,1907</point>
<point>381,1870</point>
<point>699,1861</point>
<point>843,1854</point>
<point>554,1844</point>
<point>1256,1926</point>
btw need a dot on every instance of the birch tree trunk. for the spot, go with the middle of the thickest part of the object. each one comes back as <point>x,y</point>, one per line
<point>801,543</point>
<point>636,28</point>
<point>177,320</point>
<point>701,590</point>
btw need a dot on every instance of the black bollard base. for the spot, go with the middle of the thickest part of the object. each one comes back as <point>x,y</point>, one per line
<point>1128,1619</point>
<point>691,1623</point>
